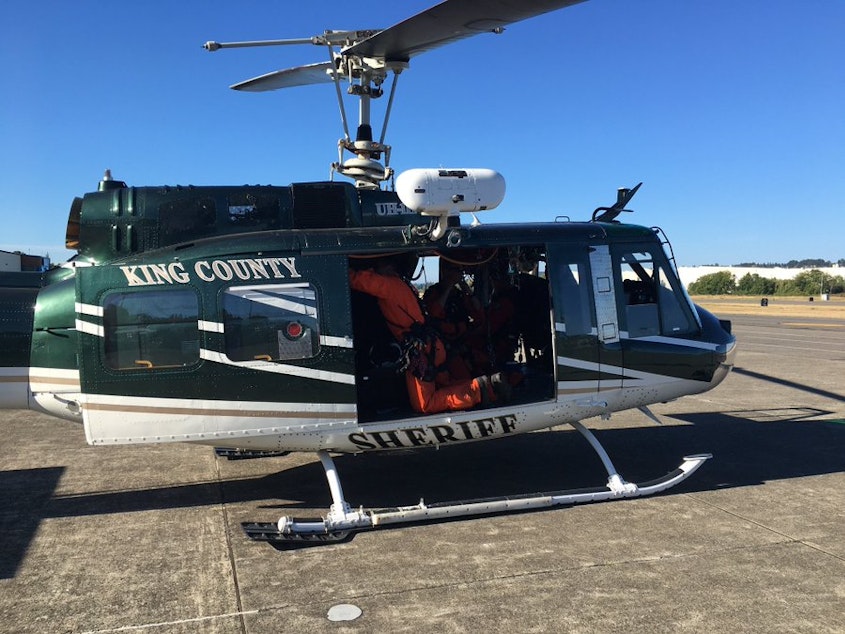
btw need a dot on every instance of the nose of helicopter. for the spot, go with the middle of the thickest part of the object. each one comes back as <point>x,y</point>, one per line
<point>718,332</point>
<point>725,362</point>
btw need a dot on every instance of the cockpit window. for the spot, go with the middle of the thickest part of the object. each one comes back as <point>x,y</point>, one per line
<point>151,329</point>
<point>271,322</point>
<point>652,296</point>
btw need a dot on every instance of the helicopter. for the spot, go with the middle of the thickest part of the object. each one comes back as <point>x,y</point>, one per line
<point>228,315</point>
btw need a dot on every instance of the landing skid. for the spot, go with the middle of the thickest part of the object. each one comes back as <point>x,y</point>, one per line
<point>343,521</point>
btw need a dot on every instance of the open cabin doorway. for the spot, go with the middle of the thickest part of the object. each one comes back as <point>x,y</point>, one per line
<point>491,307</point>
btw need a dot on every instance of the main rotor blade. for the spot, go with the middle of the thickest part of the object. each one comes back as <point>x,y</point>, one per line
<point>298,76</point>
<point>448,22</point>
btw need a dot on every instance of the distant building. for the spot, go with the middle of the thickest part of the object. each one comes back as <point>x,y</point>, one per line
<point>17,262</point>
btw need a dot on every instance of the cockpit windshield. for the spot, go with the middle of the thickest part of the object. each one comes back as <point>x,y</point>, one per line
<point>655,301</point>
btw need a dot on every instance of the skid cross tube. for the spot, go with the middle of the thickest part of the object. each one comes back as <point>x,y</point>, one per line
<point>342,519</point>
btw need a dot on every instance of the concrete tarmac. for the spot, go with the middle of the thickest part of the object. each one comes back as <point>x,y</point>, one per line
<point>148,538</point>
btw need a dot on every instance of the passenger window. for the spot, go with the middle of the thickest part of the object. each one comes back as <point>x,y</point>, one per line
<point>271,322</point>
<point>151,329</point>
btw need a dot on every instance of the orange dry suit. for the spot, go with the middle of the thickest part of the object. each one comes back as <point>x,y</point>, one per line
<point>459,319</point>
<point>400,306</point>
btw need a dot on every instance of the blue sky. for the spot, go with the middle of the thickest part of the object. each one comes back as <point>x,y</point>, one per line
<point>732,112</point>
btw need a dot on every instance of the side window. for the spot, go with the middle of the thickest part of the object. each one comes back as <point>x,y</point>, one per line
<point>572,296</point>
<point>651,296</point>
<point>270,322</point>
<point>151,329</point>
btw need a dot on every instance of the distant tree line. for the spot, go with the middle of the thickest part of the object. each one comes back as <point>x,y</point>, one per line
<point>794,264</point>
<point>811,282</point>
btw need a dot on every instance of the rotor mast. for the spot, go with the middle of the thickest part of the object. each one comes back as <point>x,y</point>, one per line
<point>365,82</point>
<point>365,76</point>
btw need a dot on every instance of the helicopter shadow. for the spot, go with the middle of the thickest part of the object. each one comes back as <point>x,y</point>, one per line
<point>24,495</point>
<point>790,384</point>
<point>750,448</point>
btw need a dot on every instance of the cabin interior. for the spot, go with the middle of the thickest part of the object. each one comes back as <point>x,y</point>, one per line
<point>495,318</point>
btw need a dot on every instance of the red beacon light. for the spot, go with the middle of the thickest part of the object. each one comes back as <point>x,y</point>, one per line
<point>294,330</point>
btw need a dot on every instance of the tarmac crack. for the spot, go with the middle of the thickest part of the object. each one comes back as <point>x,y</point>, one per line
<point>229,548</point>
<point>358,598</point>
<point>146,626</point>
<point>788,538</point>
<point>468,583</point>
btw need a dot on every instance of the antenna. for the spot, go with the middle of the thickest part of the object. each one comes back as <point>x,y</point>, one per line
<point>609,214</point>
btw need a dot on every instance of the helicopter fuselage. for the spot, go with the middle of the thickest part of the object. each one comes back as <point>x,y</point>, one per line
<point>224,316</point>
